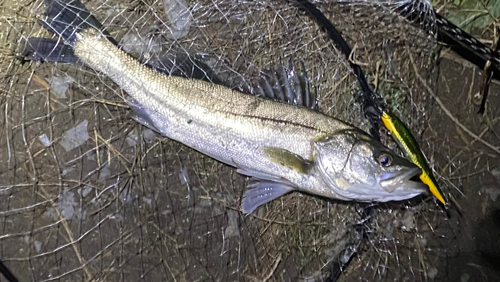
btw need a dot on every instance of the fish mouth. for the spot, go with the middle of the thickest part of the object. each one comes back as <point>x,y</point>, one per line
<point>402,179</point>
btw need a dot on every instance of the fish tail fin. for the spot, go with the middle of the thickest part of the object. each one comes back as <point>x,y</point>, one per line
<point>48,50</point>
<point>65,19</point>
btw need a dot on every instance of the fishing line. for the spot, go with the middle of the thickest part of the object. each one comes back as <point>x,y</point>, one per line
<point>7,273</point>
<point>460,42</point>
<point>372,105</point>
<point>372,109</point>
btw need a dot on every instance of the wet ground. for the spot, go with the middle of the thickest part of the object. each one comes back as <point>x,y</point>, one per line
<point>465,245</point>
<point>121,203</point>
<point>473,243</point>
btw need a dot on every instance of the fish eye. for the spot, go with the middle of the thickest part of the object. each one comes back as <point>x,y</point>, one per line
<point>385,160</point>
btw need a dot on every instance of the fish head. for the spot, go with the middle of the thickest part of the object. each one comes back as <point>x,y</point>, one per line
<point>357,167</point>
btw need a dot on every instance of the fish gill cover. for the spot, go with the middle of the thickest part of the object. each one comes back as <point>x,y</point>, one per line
<point>121,203</point>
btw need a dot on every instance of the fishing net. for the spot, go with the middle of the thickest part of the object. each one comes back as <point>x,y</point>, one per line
<point>88,194</point>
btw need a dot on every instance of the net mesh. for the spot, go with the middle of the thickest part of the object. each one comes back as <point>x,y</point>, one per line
<point>88,194</point>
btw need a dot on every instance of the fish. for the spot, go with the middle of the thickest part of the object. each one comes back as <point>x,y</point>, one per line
<point>276,135</point>
<point>402,135</point>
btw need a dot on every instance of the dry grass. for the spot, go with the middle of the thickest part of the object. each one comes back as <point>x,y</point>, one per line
<point>152,209</point>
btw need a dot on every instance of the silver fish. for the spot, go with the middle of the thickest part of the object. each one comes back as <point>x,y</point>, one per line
<point>284,147</point>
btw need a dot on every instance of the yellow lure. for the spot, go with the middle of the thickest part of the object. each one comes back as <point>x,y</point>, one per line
<point>409,145</point>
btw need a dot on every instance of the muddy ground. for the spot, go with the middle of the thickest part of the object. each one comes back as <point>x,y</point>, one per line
<point>121,203</point>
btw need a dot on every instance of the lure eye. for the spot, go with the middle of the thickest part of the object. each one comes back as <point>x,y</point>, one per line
<point>385,160</point>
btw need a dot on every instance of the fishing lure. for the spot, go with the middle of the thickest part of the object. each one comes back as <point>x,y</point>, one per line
<point>407,143</point>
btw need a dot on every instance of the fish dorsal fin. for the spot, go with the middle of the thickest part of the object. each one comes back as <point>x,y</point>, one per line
<point>287,85</point>
<point>184,65</point>
<point>283,84</point>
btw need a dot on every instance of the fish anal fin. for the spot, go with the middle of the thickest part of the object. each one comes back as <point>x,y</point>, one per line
<point>142,115</point>
<point>287,159</point>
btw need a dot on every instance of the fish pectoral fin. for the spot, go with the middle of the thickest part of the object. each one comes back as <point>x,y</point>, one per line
<point>262,192</point>
<point>287,159</point>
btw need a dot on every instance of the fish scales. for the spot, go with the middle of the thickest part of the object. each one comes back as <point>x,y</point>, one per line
<point>225,124</point>
<point>283,147</point>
